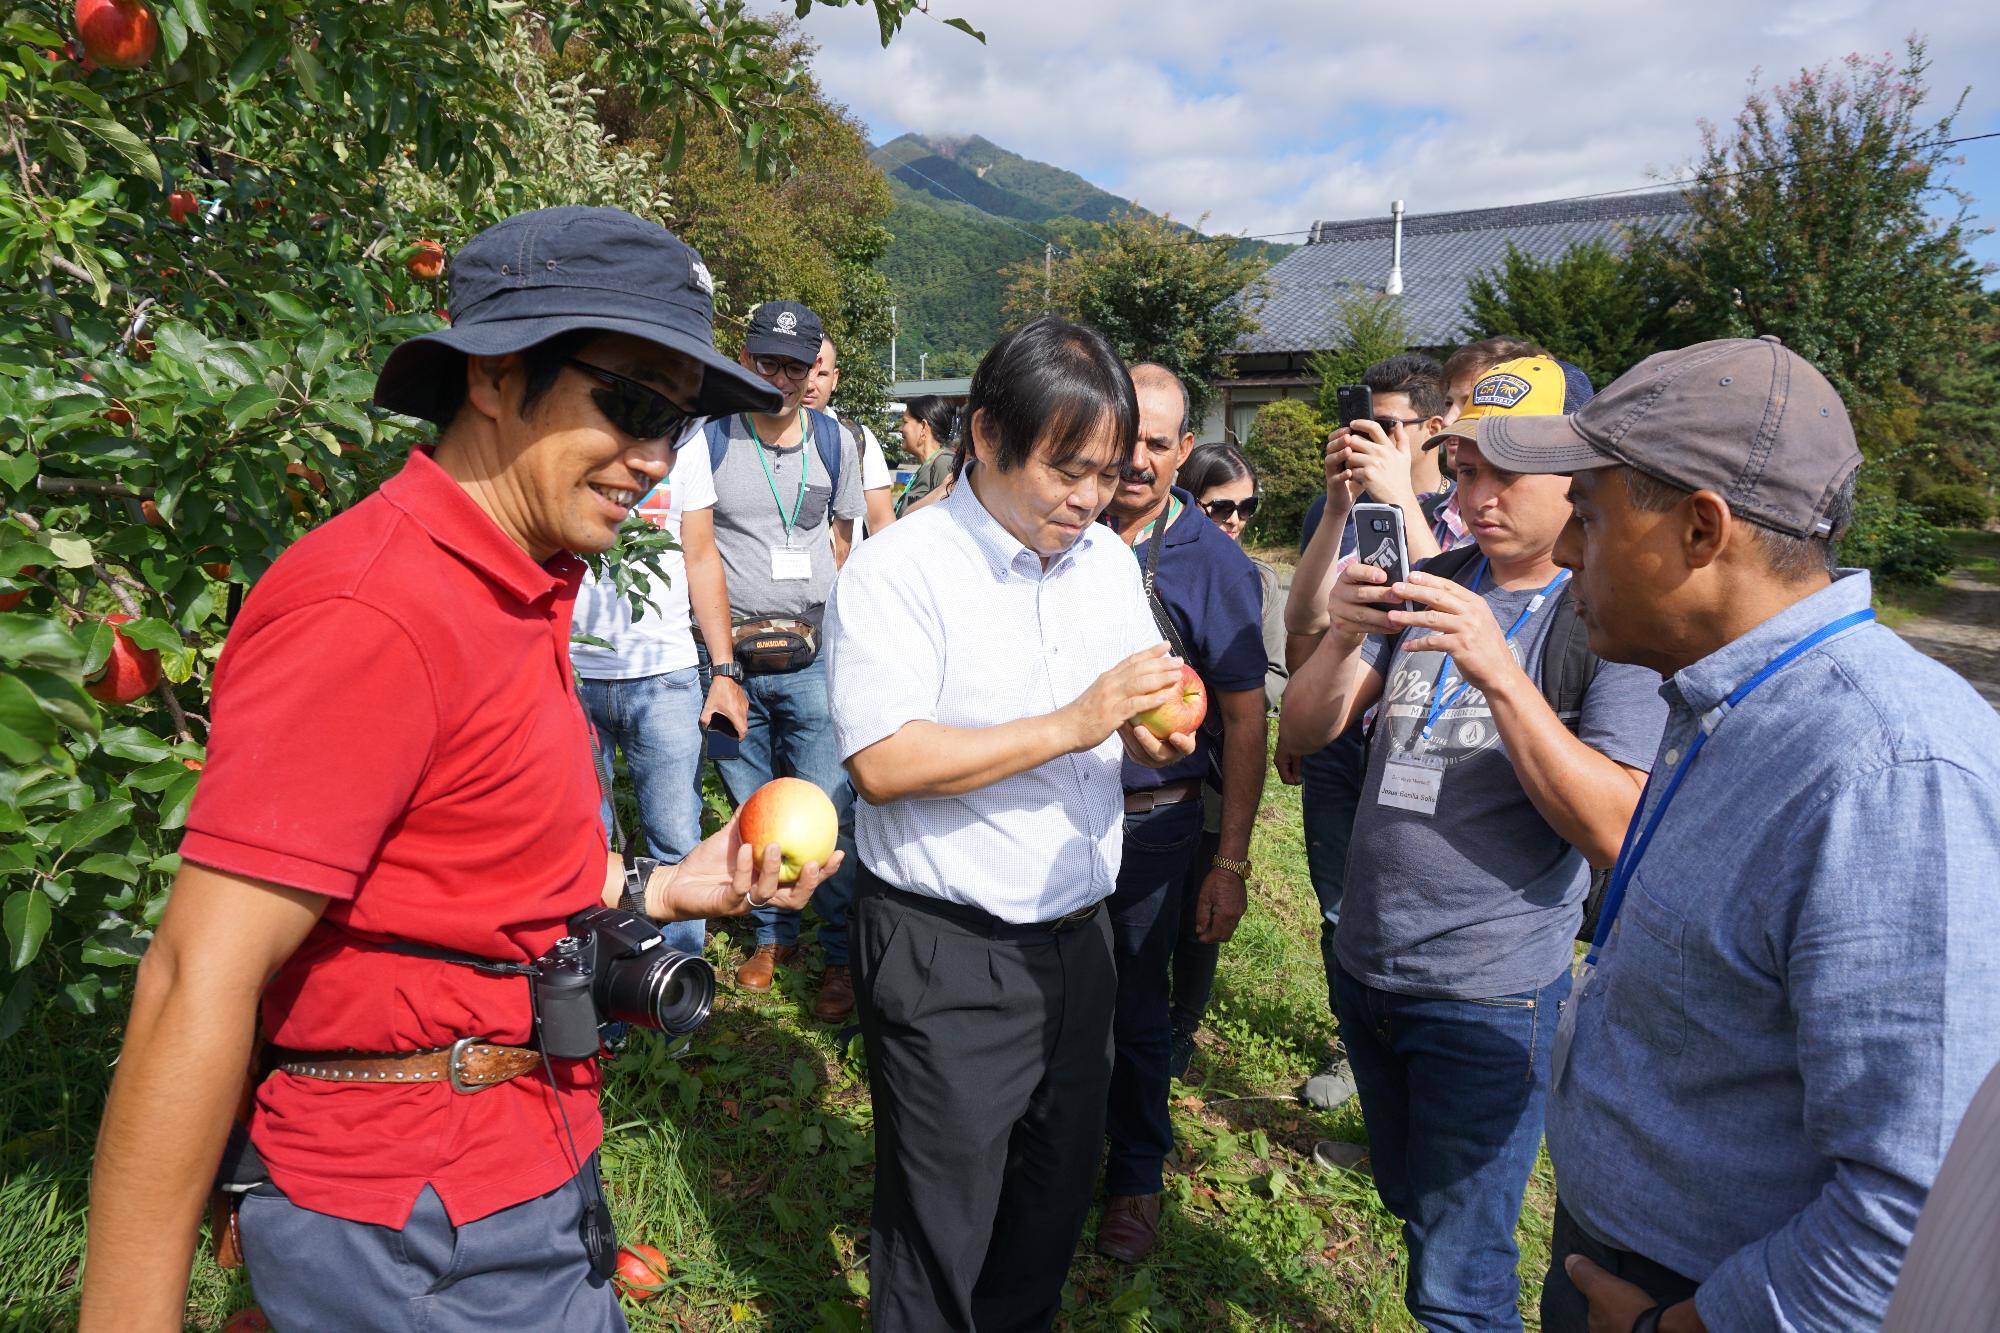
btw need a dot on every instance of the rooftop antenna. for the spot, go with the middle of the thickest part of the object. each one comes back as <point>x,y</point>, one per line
<point>1394,287</point>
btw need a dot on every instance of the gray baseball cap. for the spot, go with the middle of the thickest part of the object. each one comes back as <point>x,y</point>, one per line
<point>1747,418</point>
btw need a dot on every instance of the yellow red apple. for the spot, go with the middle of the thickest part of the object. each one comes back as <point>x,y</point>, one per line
<point>642,1272</point>
<point>1181,714</point>
<point>795,816</point>
<point>129,672</point>
<point>119,34</point>
<point>427,264</point>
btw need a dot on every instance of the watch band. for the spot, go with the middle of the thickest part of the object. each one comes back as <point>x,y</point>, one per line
<point>728,670</point>
<point>638,873</point>
<point>1221,862</point>
<point>1649,1320</point>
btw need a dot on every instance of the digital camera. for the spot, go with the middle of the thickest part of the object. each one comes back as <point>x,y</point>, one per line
<point>613,967</point>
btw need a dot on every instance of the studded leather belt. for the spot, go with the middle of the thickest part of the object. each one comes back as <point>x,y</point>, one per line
<point>468,1064</point>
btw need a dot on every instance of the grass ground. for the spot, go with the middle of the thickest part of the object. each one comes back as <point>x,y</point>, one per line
<point>747,1161</point>
<point>1978,558</point>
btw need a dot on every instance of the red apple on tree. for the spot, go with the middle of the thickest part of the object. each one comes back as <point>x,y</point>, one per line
<point>427,264</point>
<point>129,672</point>
<point>1180,715</point>
<point>795,816</point>
<point>642,1272</point>
<point>182,204</point>
<point>10,600</point>
<point>120,34</point>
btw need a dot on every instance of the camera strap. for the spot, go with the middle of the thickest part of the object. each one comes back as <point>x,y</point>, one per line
<point>491,966</point>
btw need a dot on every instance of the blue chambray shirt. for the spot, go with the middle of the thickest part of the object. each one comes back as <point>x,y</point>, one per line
<point>1802,991</point>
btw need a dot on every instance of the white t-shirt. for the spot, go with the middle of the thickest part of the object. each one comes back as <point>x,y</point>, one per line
<point>875,472</point>
<point>661,640</point>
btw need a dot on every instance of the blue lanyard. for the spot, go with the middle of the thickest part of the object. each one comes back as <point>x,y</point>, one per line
<point>1636,839</point>
<point>1438,706</point>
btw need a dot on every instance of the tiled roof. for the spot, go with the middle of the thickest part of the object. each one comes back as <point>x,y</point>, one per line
<point>1440,251</point>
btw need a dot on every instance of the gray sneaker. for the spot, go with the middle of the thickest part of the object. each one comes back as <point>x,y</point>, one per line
<point>1336,1155</point>
<point>1328,1090</point>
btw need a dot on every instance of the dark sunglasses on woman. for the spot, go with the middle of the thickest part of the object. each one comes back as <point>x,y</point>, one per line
<point>1220,510</point>
<point>635,409</point>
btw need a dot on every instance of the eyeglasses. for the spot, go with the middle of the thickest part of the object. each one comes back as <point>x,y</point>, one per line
<point>635,409</point>
<point>1389,424</point>
<point>775,367</point>
<point>1220,510</point>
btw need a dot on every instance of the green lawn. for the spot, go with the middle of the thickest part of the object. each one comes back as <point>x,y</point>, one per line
<point>748,1161</point>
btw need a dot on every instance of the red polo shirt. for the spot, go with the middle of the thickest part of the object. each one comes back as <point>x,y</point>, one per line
<point>396,727</point>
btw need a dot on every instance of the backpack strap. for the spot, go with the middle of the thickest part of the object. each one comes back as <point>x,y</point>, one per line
<point>1568,665</point>
<point>823,430</point>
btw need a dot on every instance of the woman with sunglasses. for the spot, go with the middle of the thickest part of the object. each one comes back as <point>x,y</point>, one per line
<point>1225,486</point>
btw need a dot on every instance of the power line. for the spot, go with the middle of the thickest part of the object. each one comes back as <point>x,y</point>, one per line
<point>1039,240</point>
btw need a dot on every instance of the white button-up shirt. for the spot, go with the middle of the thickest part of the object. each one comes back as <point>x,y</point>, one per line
<point>947,618</point>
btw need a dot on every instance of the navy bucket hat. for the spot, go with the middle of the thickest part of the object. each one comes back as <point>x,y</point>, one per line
<point>535,275</point>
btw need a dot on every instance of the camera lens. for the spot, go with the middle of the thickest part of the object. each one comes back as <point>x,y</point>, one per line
<point>1379,524</point>
<point>664,988</point>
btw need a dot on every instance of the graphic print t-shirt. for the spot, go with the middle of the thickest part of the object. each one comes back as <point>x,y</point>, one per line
<point>1482,898</point>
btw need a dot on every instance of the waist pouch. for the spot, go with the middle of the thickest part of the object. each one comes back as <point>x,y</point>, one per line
<point>772,645</point>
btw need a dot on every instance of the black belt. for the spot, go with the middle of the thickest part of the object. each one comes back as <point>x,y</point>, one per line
<point>1142,800</point>
<point>985,923</point>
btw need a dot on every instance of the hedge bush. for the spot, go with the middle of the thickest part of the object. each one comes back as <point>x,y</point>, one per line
<point>1955,505</point>
<point>1893,539</point>
<point>1287,447</point>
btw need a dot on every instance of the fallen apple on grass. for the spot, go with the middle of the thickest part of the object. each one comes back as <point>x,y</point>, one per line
<point>1181,714</point>
<point>797,817</point>
<point>642,1272</point>
<point>248,1320</point>
<point>129,672</point>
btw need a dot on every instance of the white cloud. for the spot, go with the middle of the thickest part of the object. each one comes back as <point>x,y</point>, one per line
<point>1269,114</point>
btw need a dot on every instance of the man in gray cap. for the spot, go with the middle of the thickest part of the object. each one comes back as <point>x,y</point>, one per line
<point>1794,989</point>
<point>398,816</point>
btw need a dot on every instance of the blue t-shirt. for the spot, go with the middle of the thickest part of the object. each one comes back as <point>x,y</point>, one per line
<point>1215,599</point>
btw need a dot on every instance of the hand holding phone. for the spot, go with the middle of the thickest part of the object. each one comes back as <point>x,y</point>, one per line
<point>1354,402</point>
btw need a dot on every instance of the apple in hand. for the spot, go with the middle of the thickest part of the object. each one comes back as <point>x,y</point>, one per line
<point>642,1271</point>
<point>119,34</point>
<point>1181,714</point>
<point>128,672</point>
<point>795,815</point>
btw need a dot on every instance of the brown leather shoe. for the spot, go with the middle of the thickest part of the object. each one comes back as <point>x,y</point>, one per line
<point>836,994</point>
<point>755,974</point>
<point>1130,1225</point>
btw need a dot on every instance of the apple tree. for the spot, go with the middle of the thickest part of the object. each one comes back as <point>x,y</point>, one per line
<point>208,241</point>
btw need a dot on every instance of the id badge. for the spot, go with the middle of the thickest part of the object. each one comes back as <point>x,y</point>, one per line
<point>1411,782</point>
<point>1566,1025</point>
<point>790,564</point>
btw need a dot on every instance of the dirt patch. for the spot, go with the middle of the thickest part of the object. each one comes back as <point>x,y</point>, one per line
<point>1963,632</point>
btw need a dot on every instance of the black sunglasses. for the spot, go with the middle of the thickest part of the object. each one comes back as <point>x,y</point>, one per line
<point>1220,510</point>
<point>635,409</point>
<point>1389,424</point>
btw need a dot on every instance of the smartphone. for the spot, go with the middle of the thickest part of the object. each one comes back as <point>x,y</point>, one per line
<point>1379,541</point>
<point>1354,402</point>
<point>722,738</point>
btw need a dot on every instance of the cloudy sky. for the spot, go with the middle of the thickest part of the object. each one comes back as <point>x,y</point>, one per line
<point>1267,114</point>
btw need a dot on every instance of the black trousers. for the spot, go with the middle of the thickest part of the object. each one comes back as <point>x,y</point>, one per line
<point>1564,1309</point>
<point>989,1060</point>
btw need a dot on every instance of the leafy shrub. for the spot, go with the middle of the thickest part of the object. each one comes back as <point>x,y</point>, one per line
<point>1894,540</point>
<point>1287,446</point>
<point>1955,505</point>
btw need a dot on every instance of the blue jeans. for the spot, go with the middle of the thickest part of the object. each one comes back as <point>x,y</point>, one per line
<point>1329,795</point>
<point>1145,924</point>
<point>1452,1092</point>
<point>791,736</point>
<point>656,721</point>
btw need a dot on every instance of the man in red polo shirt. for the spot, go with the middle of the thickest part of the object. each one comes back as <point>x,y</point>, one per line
<point>399,764</point>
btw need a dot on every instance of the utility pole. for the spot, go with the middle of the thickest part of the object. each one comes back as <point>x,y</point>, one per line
<point>892,344</point>
<point>1048,267</point>
<point>923,365</point>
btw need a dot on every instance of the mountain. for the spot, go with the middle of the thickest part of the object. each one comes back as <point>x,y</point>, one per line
<point>965,209</point>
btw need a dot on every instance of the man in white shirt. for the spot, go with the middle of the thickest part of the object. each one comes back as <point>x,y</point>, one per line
<point>641,690</point>
<point>876,479</point>
<point>987,657</point>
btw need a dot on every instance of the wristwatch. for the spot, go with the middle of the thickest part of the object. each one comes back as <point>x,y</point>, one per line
<point>1242,868</point>
<point>727,670</point>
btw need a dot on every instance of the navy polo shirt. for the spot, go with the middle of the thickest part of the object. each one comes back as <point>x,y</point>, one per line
<point>1216,602</point>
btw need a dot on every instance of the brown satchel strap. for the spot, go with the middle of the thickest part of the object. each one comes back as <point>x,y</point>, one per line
<point>468,1064</point>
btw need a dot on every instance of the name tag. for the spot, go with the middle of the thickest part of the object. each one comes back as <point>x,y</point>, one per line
<point>1411,782</point>
<point>789,564</point>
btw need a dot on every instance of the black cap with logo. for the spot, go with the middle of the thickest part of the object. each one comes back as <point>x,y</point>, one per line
<point>535,275</point>
<point>784,328</point>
